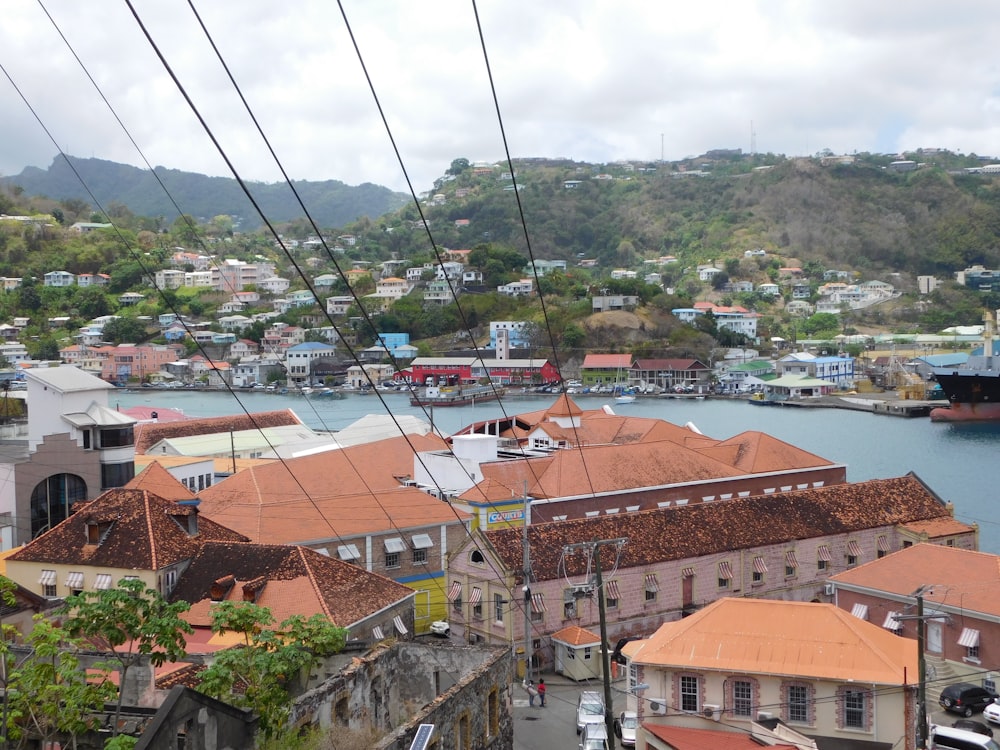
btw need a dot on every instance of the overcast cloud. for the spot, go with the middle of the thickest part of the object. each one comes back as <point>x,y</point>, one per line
<point>591,80</point>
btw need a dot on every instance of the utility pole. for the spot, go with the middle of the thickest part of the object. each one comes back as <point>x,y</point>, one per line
<point>921,674</point>
<point>526,562</point>
<point>594,548</point>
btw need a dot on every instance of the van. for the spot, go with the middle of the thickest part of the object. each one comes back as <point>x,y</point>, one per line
<point>594,737</point>
<point>589,710</point>
<point>959,739</point>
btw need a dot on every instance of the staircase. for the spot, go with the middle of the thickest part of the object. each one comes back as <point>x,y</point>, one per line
<point>940,672</point>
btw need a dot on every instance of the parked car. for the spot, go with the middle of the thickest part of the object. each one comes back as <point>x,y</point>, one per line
<point>625,727</point>
<point>948,738</point>
<point>992,712</point>
<point>440,627</point>
<point>589,709</point>
<point>594,737</point>
<point>966,698</point>
<point>971,725</point>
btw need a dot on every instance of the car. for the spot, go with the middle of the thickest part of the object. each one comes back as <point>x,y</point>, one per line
<point>992,712</point>
<point>625,726</point>
<point>949,738</point>
<point>965,698</point>
<point>971,725</point>
<point>594,737</point>
<point>441,628</point>
<point>589,709</point>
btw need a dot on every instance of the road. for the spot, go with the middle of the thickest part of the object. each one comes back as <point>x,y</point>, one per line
<point>554,727</point>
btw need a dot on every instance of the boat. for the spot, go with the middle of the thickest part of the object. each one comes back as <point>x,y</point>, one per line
<point>973,390</point>
<point>760,399</point>
<point>455,395</point>
<point>625,398</point>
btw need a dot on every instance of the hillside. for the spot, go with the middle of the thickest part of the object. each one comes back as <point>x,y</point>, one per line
<point>331,203</point>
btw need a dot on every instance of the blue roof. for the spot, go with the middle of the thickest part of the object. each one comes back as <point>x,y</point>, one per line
<point>310,345</point>
<point>945,360</point>
<point>978,351</point>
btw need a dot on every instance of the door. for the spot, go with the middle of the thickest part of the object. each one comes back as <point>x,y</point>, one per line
<point>687,591</point>
<point>934,639</point>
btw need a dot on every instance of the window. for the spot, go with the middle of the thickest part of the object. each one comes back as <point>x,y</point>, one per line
<point>852,560</point>
<point>798,704</point>
<point>169,581</point>
<point>492,713</point>
<point>611,595</point>
<point>652,587</point>
<point>97,531</point>
<point>855,713</point>
<point>791,564</point>
<point>759,569</point>
<point>476,557</point>
<point>117,475</point>
<point>972,652</point>
<point>477,611</point>
<point>419,557</point>
<point>588,652</point>
<point>498,607</point>
<point>689,693</point>
<point>86,439</point>
<point>742,698</point>
<point>457,604</point>
<point>120,437</point>
<point>48,582</point>
<point>51,499</point>
<point>821,565</point>
<point>823,557</point>
<point>391,559</point>
<point>571,654</point>
<point>569,609</point>
<point>725,574</point>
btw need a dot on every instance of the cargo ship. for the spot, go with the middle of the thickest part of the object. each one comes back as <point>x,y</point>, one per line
<point>973,390</point>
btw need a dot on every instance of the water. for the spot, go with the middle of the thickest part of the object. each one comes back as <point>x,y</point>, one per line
<point>955,460</point>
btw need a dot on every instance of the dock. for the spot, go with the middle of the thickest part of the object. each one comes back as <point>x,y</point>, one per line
<point>882,403</point>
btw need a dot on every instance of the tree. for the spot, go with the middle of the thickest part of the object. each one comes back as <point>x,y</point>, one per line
<point>124,330</point>
<point>130,622</point>
<point>256,675</point>
<point>458,166</point>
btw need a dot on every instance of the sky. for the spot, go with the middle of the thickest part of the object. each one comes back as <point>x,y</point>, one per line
<point>590,80</point>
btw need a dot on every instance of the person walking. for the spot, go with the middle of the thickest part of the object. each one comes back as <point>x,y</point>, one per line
<point>529,686</point>
<point>541,692</point>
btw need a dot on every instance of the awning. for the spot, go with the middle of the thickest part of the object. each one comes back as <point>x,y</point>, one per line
<point>103,582</point>
<point>394,544</point>
<point>74,580</point>
<point>422,541</point>
<point>726,570</point>
<point>883,544</point>
<point>969,638</point>
<point>860,611</point>
<point>790,560</point>
<point>477,595</point>
<point>377,633</point>
<point>455,592</point>
<point>397,623</point>
<point>611,590</point>
<point>892,622</point>
<point>48,578</point>
<point>688,572</point>
<point>651,585</point>
<point>824,553</point>
<point>348,552</point>
<point>854,549</point>
<point>537,603</point>
<point>759,566</point>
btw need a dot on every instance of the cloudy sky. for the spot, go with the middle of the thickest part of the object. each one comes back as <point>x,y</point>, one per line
<point>591,80</point>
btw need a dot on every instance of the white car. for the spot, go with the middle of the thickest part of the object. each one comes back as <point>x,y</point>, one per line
<point>440,627</point>
<point>625,727</point>
<point>992,712</point>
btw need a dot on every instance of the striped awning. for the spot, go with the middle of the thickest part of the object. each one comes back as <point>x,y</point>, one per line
<point>759,566</point>
<point>611,590</point>
<point>397,622</point>
<point>790,560</point>
<point>824,553</point>
<point>860,611</point>
<point>348,552</point>
<point>688,572</point>
<point>892,622</point>
<point>969,638</point>
<point>854,549</point>
<point>477,595</point>
<point>103,582</point>
<point>537,603</point>
<point>726,570</point>
<point>455,592</point>
<point>48,578</point>
<point>377,633</point>
<point>883,544</point>
<point>651,584</point>
<point>74,580</point>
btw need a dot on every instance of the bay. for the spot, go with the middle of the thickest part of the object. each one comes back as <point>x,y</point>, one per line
<point>957,461</point>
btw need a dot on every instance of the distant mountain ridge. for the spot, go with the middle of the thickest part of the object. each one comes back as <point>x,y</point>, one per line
<point>331,203</point>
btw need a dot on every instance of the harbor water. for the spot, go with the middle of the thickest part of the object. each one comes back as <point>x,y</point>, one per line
<point>957,461</point>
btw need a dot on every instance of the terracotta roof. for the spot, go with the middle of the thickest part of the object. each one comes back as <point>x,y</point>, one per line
<point>294,519</point>
<point>680,533</point>
<point>150,434</point>
<point>145,413</point>
<point>968,579</point>
<point>936,528</point>
<point>160,482</point>
<point>758,452</point>
<point>606,361</point>
<point>574,635</point>
<point>795,639</point>
<point>146,533</point>
<point>682,738</point>
<point>357,470</point>
<point>288,580</point>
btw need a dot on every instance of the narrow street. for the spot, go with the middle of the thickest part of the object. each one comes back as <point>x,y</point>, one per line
<point>554,727</point>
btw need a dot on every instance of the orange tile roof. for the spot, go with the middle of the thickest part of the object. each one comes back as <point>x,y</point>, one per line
<point>681,533</point>
<point>607,361</point>
<point>147,435</point>
<point>795,639</point>
<point>683,738</point>
<point>574,635</point>
<point>160,482</point>
<point>935,528</point>
<point>956,576</point>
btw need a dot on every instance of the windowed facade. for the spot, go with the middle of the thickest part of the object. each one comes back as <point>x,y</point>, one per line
<point>117,437</point>
<point>797,702</point>
<point>51,499</point>
<point>689,693</point>
<point>855,709</point>
<point>116,475</point>
<point>742,700</point>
